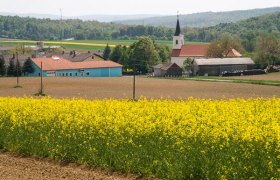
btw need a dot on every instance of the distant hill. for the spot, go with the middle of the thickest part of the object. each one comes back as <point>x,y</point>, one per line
<point>205,19</point>
<point>100,18</point>
<point>246,30</point>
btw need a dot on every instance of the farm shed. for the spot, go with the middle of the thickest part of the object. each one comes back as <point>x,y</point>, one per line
<point>215,66</point>
<point>56,66</point>
<point>169,69</point>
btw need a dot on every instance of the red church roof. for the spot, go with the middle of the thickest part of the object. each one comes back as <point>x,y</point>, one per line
<point>191,50</point>
<point>56,63</point>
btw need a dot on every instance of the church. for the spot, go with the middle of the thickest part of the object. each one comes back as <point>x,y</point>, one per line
<point>201,64</point>
<point>181,51</point>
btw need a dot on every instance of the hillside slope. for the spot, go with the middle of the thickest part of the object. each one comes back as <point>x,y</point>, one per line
<point>205,19</point>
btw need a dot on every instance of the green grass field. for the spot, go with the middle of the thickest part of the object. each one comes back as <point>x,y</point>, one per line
<point>86,45</point>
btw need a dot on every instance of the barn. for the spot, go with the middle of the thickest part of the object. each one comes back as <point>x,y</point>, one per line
<point>215,66</point>
<point>56,66</point>
<point>169,69</point>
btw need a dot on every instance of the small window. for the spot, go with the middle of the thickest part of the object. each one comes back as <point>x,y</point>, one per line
<point>63,74</point>
<point>176,41</point>
<point>70,74</point>
<point>87,73</point>
<point>66,74</point>
<point>76,74</point>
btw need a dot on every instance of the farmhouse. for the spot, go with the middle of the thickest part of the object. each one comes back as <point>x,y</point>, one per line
<point>169,69</point>
<point>76,56</point>
<point>56,66</point>
<point>182,51</point>
<point>215,66</point>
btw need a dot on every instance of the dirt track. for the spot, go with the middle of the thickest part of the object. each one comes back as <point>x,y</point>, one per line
<point>121,87</point>
<point>20,168</point>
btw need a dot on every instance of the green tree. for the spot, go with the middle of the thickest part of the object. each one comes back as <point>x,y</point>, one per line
<point>163,52</point>
<point>117,53</point>
<point>11,68</point>
<point>187,66</point>
<point>223,47</point>
<point>28,67</point>
<point>267,50</point>
<point>106,52</point>
<point>2,66</point>
<point>143,55</point>
<point>125,58</point>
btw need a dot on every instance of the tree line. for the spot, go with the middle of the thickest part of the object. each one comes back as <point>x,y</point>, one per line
<point>46,29</point>
<point>14,68</point>
<point>140,56</point>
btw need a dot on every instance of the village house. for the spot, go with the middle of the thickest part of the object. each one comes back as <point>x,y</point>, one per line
<point>169,69</point>
<point>216,66</point>
<point>57,66</point>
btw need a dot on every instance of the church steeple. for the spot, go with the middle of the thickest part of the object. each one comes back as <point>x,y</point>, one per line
<point>178,29</point>
<point>178,38</point>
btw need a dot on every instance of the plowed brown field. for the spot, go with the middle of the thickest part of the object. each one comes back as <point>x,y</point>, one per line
<point>121,87</point>
<point>23,168</point>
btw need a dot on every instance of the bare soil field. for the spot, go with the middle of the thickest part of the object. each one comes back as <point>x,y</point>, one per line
<point>121,87</point>
<point>21,168</point>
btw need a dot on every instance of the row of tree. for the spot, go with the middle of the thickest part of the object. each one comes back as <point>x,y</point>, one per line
<point>14,68</point>
<point>142,55</point>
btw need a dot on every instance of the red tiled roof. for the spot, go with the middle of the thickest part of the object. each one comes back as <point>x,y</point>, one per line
<point>191,50</point>
<point>60,64</point>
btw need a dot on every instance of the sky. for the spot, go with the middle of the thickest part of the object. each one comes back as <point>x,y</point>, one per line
<point>126,7</point>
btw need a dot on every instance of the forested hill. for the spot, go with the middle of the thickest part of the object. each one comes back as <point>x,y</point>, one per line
<point>205,19</point>
<point>46,29</point>
<point>246,30</point>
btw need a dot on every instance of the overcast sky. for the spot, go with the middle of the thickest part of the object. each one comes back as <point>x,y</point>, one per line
<point>120,7</point>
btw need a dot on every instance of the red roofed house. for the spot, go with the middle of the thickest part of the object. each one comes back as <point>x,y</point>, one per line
<point>181,51</point>
<point>56,66</point>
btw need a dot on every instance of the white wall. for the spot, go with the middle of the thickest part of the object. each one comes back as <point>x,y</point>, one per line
<point>178,60</point>
<point>180,40</point>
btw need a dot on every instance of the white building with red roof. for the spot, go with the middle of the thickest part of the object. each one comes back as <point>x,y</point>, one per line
<point>181,51</point>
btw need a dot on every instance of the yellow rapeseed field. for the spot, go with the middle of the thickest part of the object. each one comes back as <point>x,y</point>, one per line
<point>182,139</point>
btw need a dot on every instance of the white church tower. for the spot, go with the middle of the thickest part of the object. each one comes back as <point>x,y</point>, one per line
<point>178,38</point>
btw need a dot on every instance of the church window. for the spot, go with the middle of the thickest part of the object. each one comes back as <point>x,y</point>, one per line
<point>176,41</point>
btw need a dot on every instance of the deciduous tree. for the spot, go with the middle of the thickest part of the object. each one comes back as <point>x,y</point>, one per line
<point>143,54</point>
<point>267,50</point>
<point>223,47</point>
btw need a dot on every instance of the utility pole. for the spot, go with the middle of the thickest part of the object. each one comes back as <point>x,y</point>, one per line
<point>61,24</point>
<point>17,68</point>
<point>134,73</point>
<point>41,91</point>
